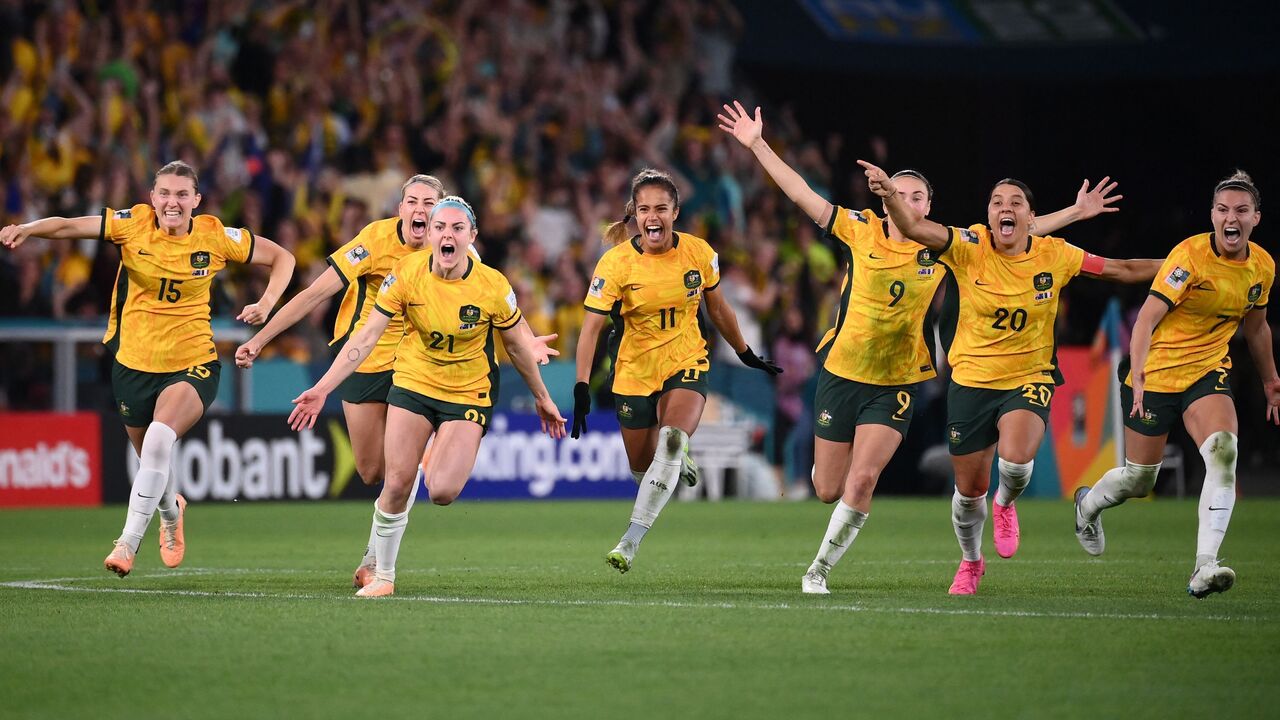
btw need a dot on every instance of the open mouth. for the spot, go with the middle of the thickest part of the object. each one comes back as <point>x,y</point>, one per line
<point>653,232</point>
<point>1231,233</point>
<point>417,228</point>
<point>447,249</point>
<point>1006,226</point>
<point>172,214</point>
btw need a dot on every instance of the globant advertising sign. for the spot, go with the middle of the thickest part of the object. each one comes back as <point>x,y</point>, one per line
<point>257,457</point>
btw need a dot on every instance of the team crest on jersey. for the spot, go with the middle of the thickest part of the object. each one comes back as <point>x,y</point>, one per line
<point>855,215</point>
<point>692,279</point>
<point>1255,292</point>
<point>1177,278</point>
<point>200,259</point>
<point>123,214</point>
<point>356,254</point>
<point>1043,281</point>
<point>926,257</point>
<point>469,314</point>
<point>969,236</point>
<point>236,234</point>
<point>597,287</point>
<point>824,418</point>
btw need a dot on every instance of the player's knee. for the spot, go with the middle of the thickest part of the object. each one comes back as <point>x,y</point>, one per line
<point>828,493</point>
<point>157,446</point>
<point>672,442</point>
<point>863,481</point>
<point>1139,479</point>
<point>1015,472</point>
<point>1219,451</point>
<point>370,472</point>
<point>445,496</point>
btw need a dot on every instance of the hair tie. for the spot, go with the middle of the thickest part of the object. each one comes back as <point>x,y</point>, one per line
<point>626,219</point>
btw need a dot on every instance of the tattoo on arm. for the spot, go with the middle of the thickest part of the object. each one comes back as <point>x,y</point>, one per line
<point>353,354</point>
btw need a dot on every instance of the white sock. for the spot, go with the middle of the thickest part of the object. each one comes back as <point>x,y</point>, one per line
<point>1116,486</point>
<point>1014,478</point>
<point>638,476</point>
<point>968,515</point>
<point>1218,496</point>
<point>149,483</point>
<point>841,531</point>
<point>368,558</point>
<point>660,479</point>
<point>389,530</point>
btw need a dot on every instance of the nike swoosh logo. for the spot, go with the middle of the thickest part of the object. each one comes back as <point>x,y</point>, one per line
<point>833,542</point>
<point>634,287</point>
<point>143,252</point>
<point>416,304</point>
<point>895,417</point>
<point>979,282</point>
<point>1219,387</point>
<point>873,256</point>
<point>1202,286</point>
<point>1214,508</point>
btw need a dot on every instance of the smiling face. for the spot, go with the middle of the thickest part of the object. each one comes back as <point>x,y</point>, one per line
<point>174,198</point>
<point>415,211</point>
<point>1009,215</point>
<point>450,236</point>
<point>656,214</point>
<point>1234,217</point>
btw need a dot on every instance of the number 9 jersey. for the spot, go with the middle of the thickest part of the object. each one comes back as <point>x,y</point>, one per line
<point>1000,336</point>
<point>653,300</point>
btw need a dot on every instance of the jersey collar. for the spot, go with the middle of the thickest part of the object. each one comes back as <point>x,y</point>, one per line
<point>191,223</point>
<point>991,238</point>
<point>635,242</point>
<point>471,264</point>
<point>1213,245</point>
<point>399,231</point>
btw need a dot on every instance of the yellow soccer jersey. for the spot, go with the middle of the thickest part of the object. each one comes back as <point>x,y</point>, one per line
<point>879,337</point>
<point>1208,296</point>
<point>653,300</point>
<point>447,350</point>
<point>363,263</point>
<point>1001,333</point>
<point>159,319</point>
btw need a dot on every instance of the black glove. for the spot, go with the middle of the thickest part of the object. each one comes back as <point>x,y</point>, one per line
<point>581,406</point>
<point>752,360</point>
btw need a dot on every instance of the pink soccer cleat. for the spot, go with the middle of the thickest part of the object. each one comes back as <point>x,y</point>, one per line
<point>364,575</point>
<point>120,561</point>
<point>377,588</point>
<point>967,577</point>
<point>1004,528</point>
<point>173,544</point>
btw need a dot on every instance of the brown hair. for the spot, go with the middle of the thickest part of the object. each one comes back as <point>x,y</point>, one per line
<point>1031,200</point>
<point>181,169</point>
<point>429,180</point>
<point>616,233</point>
<point>928,186</point>
<point>1240,180</point>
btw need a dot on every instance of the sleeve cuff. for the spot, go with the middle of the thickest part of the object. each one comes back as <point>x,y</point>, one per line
<point>713,287</point>
<point>346,281</point>
<point>1156,294</point>
<point>102,229</point>
<point>597,311</point>
<point>951,237</point>
<point>831,223</point>
<point>253,240</point>
<point>384,311</point>
<point>511,321</point>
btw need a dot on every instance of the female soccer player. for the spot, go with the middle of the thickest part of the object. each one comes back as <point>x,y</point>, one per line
<point>1000,344</point>
<point>444,378</point>
<point>1208,286</point>
<point>875,356</point>
<point>165,373</point>
<point>358,268</point>
<point>651,287</point>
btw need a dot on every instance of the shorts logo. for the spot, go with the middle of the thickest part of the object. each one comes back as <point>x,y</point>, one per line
<point>199,259</point>
<point>123,214</point>
<point>926,258</point>
<point>597,287</point>
<point>953,435</point>
<point>469,314</point>
<point>1148,418</point>
<point>824,418</point>
<point>1255,292</point>
<point>124,410</point>
<point>1043,281</point>
<point>692,279</point>
<point>356,254</point>
<point>855,215</point>
<point>235,234</point>
<point>1177,278</point>
<point>969,236</point>
<point>624,410</point>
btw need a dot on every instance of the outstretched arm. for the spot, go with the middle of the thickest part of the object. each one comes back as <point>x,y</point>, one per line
<point>54,228</point>
<point>913,225</point>
<point>297,308</point>
<point>281,263</point>
<point>1258,334</point>
<point>539,344</point>
<point>522,357</point>
<point>749,131</point>
<point>1124,271</point>
<point>1089,204</point>
<point>1152,312</point>
<point>308,405</point>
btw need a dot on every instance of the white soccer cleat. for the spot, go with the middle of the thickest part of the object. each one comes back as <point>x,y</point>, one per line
<point>1089,533</point>
<point>814,583</point>
<point>1210,578</point>
<point>622,556</point>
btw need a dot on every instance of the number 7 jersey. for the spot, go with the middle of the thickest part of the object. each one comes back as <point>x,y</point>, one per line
<point>653,300</point>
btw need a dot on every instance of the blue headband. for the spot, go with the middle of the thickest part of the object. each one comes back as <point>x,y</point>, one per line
<point>455,204</point>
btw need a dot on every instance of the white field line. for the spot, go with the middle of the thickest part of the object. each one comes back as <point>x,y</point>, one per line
<point>57,585</point>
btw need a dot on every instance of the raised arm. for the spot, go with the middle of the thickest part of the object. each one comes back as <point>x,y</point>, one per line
<point>281,263</point>
<point>1152,312</point>
<point>308,405</point>
<point>1123,271</point>
<point>54,228</point>
<point>522,357</point>
<point>914,226</point>
<point>1258,334</point>
<point>726,321</point>
<point>1089,204</point>
<point>297,308</point>
<point>749,131</point>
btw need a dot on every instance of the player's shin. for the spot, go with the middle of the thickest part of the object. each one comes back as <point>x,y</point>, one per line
<point>1014,478</point>
<point>389,530</point>
<point>149,483</point>
<point>1218,496</point>
<point>968,516</point>
<point>659,481</point>
<point>1116,486</point>
<point>841,530</point>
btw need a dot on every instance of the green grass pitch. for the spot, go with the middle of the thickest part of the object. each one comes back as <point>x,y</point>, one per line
<point>508,610</point>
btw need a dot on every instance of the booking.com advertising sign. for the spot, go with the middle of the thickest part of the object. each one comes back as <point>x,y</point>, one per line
<point>257,457</point>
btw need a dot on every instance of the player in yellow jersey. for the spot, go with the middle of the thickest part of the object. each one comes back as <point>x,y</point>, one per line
<point>878,352</point>
<point>1209,285</point>
<point>1005,285</point>
<point>358,268</point>
<point>165,373</point>
<point>651,286</point>
<point>445,377</point>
